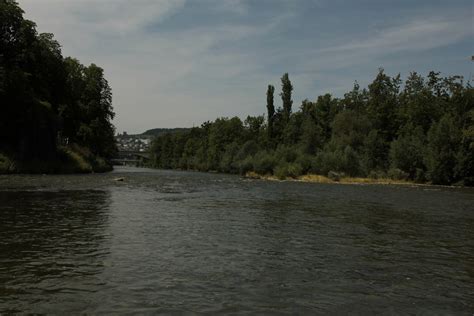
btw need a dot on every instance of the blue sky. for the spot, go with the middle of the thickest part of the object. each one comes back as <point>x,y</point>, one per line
<point>177,63</point>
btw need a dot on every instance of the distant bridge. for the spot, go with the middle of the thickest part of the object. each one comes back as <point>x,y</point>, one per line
<point>129,157</point>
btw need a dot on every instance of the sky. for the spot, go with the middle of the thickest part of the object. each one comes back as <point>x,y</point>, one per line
<point>178,63</point>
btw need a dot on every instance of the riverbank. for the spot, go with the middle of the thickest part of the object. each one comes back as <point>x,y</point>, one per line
<point>314,178</point>
<point>67,160</point>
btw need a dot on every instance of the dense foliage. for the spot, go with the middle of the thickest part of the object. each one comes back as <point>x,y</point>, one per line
<point>422,130</point>
<point>53,109</point>
<point>161,131</point>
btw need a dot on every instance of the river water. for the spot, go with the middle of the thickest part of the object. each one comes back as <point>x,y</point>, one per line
<point>170,241</point>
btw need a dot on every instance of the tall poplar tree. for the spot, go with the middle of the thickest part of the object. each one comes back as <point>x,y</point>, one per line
<point>286,89</point>
<point>270,110</point>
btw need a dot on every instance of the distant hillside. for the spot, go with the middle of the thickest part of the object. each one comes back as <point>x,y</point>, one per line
<point>161,131</point>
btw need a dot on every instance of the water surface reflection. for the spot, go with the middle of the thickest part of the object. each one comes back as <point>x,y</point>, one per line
<point>173,242</point>
<point>51,242</point>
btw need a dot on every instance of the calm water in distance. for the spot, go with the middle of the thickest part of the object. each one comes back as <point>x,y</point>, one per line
<point>170,241</point>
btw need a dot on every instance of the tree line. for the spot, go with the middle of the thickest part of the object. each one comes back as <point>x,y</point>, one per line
<point>420,130</point>
<point>54,110</point>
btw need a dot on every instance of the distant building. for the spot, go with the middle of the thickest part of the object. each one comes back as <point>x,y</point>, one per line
<point>136,143</point>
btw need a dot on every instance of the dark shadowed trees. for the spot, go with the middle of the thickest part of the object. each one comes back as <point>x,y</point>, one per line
<point>48,101</point>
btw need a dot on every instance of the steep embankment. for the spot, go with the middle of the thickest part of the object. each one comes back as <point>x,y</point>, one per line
<point>71,159</point>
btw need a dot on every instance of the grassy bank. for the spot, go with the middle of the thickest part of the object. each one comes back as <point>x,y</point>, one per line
<point>333,179</point>
<point>70,159</point>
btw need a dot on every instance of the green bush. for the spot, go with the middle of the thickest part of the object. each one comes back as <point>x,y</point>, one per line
<point>281,171</point>
<point>420,175</point>
<point>336,176</point>
<point>248,149</point>
<point>406,152</point>
<point>6,165</point>
<point>286,153</point>
<point>327,161</point>
<point>397,174</point>
<point>245,165</point>
<point>444,139</point>
<point>305,161</point>
<point>344,160</point>
<point>350,162</point>
<point>295,170</point>
<point>285,170</point>
<point>263,163</point>
<point>377,174</point>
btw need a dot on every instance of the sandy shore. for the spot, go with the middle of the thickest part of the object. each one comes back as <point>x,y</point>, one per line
<point>345,180</point>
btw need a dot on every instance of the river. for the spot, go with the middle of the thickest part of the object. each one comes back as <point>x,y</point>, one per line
<point>177,242</point>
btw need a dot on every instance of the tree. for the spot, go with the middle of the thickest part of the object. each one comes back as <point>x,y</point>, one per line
<point>349,128</point>
<point>222,132</point>
<point>254,127</point>
<point>48,101</point>
<point>72,112</point>
<point>286,89</point>
<point>382,106</point>
<point>425,132</point>
<point>443,144</point>
<point>375,152</point>
<point>355,100</point>
<point>270,111</point>
<point>95,129</point>
<point>465,157</point>
<point>382,111</point>
<point>325,110</point>
<point>418,105</point>
<point>311,139</point>
<point>11,24</point>
<point>406,152</point>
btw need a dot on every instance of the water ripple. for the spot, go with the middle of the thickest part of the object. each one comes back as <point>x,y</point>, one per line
<point>186,242</point>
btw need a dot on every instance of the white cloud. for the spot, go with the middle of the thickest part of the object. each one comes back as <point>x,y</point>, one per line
<point>233,6</point>
<point>180,76</point>
<point>418,35</point>
<point>104,16</point>
<point>155,76</point>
